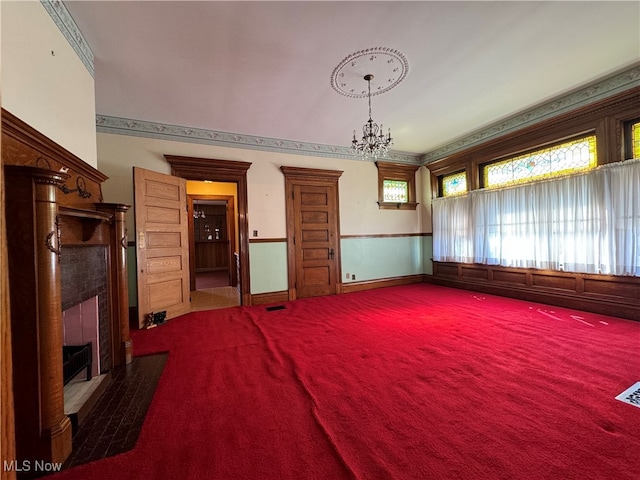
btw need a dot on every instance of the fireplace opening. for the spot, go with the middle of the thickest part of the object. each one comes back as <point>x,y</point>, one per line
<point>86,327</point>
<point>81,345</point>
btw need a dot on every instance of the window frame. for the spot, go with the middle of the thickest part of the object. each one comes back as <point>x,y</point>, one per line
<point>398,172</point>
<point>441,182</point>
<point>628,139</point>
<point>549,146</point>
<point>606,119</point>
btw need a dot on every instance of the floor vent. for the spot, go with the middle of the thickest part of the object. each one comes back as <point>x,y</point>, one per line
<point>275,307</point>
<point>631,395</point>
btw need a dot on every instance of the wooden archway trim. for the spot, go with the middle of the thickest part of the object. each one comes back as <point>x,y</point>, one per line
<point>194,168</point>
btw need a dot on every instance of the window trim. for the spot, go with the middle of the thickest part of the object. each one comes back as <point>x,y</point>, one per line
<point>399,172</point>
<point>442,177</point>
<point>628,138</point>
<point>605,118</point>
<point>532,151</point>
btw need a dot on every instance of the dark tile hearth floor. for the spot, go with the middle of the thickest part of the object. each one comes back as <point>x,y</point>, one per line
<point>114,423</point>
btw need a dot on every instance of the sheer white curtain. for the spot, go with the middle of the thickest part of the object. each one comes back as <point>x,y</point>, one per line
<point>581,223</point>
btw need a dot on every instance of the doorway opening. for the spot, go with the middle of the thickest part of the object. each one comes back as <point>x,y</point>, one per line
<point>213,244</point>
<point>224,171</point>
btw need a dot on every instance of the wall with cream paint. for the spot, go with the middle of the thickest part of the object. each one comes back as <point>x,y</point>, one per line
<point>359,212</point>
<point>44,82</point>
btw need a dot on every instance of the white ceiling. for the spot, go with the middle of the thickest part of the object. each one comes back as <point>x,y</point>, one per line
<point>264,68</point>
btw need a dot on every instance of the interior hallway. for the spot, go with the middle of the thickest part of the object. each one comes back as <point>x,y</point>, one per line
<point>213,291</point>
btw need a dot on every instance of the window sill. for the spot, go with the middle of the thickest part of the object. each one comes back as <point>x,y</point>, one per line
<point>397,205</point>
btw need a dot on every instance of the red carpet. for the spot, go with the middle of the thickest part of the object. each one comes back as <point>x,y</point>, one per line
<point>414,382</point>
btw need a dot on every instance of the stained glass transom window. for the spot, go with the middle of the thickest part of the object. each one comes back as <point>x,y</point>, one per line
<point>573,156</point>
<point>454,184</point>
<point>635,140</point>
<point>395,191</point>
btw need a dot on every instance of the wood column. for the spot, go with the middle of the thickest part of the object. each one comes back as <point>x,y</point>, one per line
<point>7,422</point>
<point>56,426</point>
<point>121,337</point>
<point>32,220</point>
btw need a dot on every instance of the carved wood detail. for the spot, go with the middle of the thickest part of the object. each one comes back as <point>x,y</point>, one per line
<point>43,431</point>
<point>40,219</point>
<point>23,145</point>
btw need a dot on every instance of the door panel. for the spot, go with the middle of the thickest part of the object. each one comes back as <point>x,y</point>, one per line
<point>162,246</point>
<point>315,239</point>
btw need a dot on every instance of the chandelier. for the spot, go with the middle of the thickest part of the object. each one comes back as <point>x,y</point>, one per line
<point>374,142</point>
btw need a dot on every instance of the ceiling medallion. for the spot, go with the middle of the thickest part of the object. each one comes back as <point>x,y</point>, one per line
<point>387,65</point>
<point>382,68</point>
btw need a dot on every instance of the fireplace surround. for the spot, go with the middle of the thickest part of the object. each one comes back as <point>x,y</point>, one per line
<point>64,245</point>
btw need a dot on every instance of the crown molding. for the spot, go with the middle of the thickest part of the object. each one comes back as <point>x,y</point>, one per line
<point>160,131</point>
<point>598,91</point>
<point>579,98</point>
<point>65,23</point>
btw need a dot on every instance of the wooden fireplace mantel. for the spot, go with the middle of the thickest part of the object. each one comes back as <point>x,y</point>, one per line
<point>53,200</point>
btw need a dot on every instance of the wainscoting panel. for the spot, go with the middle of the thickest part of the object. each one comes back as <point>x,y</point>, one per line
<point>268,266</point>
<point>607,294</point>
<point>549,280</point>
<point>374,257</point>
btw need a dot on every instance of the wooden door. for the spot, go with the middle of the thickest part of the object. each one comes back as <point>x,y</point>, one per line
<point>162,244</point>
<point>313,232</point>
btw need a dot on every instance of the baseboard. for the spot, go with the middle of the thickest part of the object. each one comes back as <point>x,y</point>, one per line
<point>269,297</point>
<point>382,282</point>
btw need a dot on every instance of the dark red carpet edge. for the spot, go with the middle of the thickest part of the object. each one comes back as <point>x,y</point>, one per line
<point>412,382</point>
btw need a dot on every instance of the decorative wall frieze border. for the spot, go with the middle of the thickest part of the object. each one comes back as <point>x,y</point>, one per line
<point>64,21</point>
<point>160,131</point>
<point>598,91</point>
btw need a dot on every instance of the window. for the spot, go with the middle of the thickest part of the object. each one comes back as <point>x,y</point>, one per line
<point>395,191</point>
<point>454,184</point>
<point>397,186</point>
<point>573,156</point>
<point>586,223</point>
<point>634,139</point>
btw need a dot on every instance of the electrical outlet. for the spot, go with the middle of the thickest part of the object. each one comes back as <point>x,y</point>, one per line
<point>348,276</point>
<point>353,276</point>
<point>255,233</point>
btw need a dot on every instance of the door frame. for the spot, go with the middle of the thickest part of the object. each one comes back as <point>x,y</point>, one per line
<point>195,168</point>
<point>308,176</point>
<point>230,219</point>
